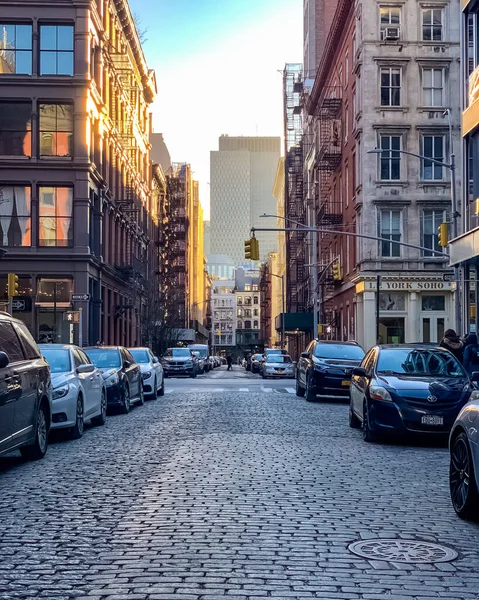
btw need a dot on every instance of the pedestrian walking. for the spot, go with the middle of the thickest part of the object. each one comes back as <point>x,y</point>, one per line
<point>229,361</point>
<point>471,353</point>
<point>451,342</point>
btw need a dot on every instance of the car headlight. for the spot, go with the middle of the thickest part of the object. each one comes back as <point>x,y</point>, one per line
<point>380,393</point>
<point>474,395</point>
<point>146,375</point>
<point>60,392</point>
<point>112,378</point>
<point>189,363</point>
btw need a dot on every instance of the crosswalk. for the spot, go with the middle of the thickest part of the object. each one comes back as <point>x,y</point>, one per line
<point>255,390</point>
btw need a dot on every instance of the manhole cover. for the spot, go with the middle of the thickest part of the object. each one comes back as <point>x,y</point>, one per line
<point>404,551</point>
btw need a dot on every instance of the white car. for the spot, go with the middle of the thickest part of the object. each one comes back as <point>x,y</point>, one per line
<point>277,365</point>
<point>152,374</point>
<point>78,389</point>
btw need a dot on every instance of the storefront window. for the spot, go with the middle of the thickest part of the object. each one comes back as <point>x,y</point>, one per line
<point>53,298</point>
<point>433,303</point>
<point>52,291</point>
<point>391,331</point>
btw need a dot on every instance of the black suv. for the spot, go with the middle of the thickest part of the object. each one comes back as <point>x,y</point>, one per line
<point>25,391</point>
<point>325,369</point>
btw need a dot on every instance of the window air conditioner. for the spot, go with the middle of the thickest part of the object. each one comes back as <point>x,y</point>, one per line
<point>391,33</point>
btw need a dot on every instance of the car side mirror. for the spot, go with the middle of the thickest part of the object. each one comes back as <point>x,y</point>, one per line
<point>304,354</point>
<point>156,359</point>
<point>360,372</point>
<point>474,376</point>
<point>126,364</point>
<point>4,360</point>
<point>85,369</point>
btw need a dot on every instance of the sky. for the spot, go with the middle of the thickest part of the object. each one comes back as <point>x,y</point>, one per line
<point>217,66</point>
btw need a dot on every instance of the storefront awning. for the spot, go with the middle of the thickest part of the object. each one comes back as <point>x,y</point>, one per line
<point>294,321</point>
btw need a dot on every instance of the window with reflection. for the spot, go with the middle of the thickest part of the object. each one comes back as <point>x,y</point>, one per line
<point>15,49</point>
<point>55,220</point>
<point>15,216</point>
<point>56,130</point>
<point>15,128</point>
<point>56,49</point>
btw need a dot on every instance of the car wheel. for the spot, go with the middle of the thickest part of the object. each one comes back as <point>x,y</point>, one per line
<point>462,480</point>
<point>76,432</point>
<point>125,407</point>
<point>310,390</point>
<point>300,391</point>
<point>39,448</point>
<point>101,418</point>
<point>368,435</point>
<point>141,396</point>
<point>161,391</point>
<point>354,422</point>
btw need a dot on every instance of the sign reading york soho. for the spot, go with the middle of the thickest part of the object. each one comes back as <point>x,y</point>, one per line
<point>388,285</point>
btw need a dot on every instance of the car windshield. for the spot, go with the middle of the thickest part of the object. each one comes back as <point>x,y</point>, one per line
<point>339,351</point>
<point>203,352</point>
<point>105,358</point>
<point>140,356</point>
<point>257,357</point>
<point>196,353</point>
<point>178,352</point>
<point>58,359</point>
<point>420,362</point>
<point>277,358</point>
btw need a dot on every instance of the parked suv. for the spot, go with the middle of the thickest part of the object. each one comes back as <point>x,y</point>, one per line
<point>25,391</point>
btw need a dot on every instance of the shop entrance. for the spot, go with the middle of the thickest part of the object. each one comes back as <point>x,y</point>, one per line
<point>432,328</point>
<point>391,330</point>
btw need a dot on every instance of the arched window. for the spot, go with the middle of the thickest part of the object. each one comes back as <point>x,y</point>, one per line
<point>256,326</point>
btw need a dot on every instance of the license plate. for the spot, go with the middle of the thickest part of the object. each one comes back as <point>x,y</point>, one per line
<point>280,372</point>
<point>432,420</point>
<point>346,382</point>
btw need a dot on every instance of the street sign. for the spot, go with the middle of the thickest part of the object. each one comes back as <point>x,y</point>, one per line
<point>71,316</point>
<point>18,305</point>
<point>448,277</point>
<point>80,297</point>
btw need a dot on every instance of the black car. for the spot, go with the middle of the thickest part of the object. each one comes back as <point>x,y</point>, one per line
<point>179,361</point>
<point>256,361</point>
<point>25,391</point>
<point>400,389</point>
<point>121,373</point>
<point>325,369</point>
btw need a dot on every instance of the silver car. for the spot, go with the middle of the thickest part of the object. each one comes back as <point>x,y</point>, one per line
<point>152,374</point>
<point>277,365</point>
<point>78,389</point>
<point>464,460</point>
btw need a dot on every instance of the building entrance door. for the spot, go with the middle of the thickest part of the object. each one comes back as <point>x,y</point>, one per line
<point>432,328</point>
<point>391,330</point>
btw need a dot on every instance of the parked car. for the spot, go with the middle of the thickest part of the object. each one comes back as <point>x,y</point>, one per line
<point>200,362</point>
<point>121,373</point>
<point>464,461</point>
<point>152,375</point>
<point>179,361</point>
<point>78,389</point>
<point>401,389</point>
<point>25,391</point>
<point>256,361</point>
<point>277,365</point>
<point>201,351</point>
<point>325,368</point>
<point>212,362</point>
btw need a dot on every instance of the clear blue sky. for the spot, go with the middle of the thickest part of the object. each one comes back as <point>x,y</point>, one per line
<point>217,63</point>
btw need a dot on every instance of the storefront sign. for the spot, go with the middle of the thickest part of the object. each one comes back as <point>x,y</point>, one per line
<point>389,285</point>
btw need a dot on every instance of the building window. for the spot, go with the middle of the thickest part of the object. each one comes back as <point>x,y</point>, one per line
<point>390,17</point>
<point>433,147</point>
<point>432,28</point>
<point>390,228</point>
<point>256,300</point>
<point>15,128</point>
<point>240,324</point>
<point>55,220</point>
<point>15,216</point>
<point>255,312</point>
<point>390,160</point>
<point>431,219</point>
<point>247,324</point>
<point>56,130</point>
<point>255,325</point>
<point>390,86</point>
<point>56,49</point>
<point>15,49</point>
<point>433,87</point>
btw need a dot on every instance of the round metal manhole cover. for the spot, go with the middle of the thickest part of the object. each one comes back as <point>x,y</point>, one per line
<point>404,551</point>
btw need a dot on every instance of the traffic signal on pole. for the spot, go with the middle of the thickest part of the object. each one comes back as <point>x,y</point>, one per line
<point>251,249</point>
<point>442,235</point>
<point>337,272</point>
<point>12,284</point>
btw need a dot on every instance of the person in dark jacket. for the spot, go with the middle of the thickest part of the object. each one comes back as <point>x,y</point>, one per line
<point>451,342</point>
<point>229,362</point>
<point>471,353</point>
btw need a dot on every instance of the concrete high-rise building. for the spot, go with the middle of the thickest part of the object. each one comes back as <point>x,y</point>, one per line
<point>242,175</point>
<point>207,235</point>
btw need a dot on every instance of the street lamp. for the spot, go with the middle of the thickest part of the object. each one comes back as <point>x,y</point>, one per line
<point>452,168</point>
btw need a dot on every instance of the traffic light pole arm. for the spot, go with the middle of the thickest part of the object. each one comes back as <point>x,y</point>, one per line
<point>352,234</point>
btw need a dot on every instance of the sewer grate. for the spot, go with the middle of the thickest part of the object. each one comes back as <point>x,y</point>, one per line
<point>403,551</point>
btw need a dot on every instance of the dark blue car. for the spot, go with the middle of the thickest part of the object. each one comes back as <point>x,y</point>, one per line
<point>400,389</point>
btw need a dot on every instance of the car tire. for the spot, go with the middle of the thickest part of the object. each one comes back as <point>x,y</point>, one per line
<point>101,418</point>
<point>310,392</point>
<point>354,422</point>
<point>161,391</point>
<point>300,391</point>
<point>39,447</point>
<point>125,406</point>
<point>368,435</point>
<point>462,480</point>
<point>76,432</point>
<point>141,396</point>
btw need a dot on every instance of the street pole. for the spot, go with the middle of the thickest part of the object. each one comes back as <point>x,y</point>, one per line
<point>457,269</point>
<point>283,302</point>
<point>315,287</point>
<point>378,288</point>
<point>80,325</point>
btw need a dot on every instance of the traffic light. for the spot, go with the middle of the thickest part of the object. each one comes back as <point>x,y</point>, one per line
<point>251,249</point>
<point>442,235</point>
<point>12,284</point>
<point>337,272</point>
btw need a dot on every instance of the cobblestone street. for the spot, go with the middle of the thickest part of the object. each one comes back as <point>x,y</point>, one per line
<point>204,495</point>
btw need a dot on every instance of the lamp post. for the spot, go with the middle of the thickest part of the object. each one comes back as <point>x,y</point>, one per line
<point>452,168</point>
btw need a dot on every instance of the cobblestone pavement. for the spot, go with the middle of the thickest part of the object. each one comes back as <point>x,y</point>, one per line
<point>212,495</point>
